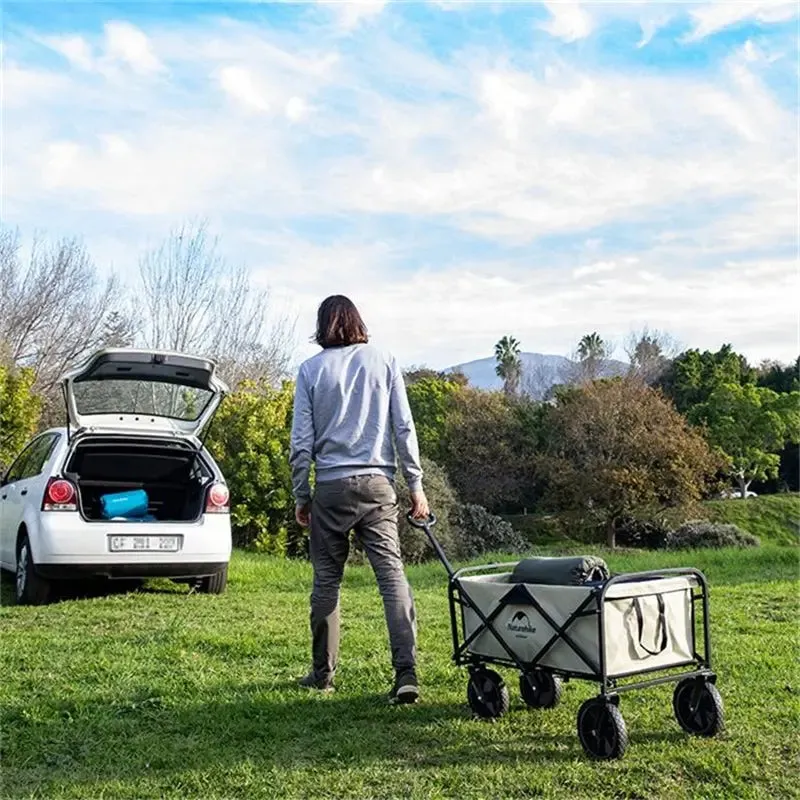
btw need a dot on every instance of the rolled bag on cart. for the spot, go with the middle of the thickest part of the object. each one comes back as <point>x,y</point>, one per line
<point>648,624</point>
<point>563,571</point>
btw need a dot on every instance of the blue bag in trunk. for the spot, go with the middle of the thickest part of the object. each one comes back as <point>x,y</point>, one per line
<point>125,504</point>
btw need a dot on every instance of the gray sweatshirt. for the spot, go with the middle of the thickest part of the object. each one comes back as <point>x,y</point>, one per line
<point>349,404</point>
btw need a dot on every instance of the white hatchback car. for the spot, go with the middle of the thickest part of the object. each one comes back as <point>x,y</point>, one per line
<point>136,420</point>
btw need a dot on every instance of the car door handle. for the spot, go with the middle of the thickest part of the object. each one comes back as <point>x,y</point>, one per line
<point>24,492</point>
<point>4,497</point>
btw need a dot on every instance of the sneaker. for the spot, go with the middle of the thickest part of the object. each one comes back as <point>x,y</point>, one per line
<point>311,681</point>
<point>405,689</point>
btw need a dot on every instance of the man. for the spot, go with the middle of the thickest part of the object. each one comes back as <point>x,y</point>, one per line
<point>350,413</point>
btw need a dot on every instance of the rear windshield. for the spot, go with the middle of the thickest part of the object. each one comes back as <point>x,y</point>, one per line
<point>149,398</point>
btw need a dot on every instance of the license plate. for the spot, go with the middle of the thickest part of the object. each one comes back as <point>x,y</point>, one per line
<point>149,544</point>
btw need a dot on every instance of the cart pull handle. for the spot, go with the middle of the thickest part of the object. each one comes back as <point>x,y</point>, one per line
<point>421,523</point>
<point>662,621</point>
<point>426,525</point>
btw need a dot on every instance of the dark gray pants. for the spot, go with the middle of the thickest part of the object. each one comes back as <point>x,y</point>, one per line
<point>366,504</point>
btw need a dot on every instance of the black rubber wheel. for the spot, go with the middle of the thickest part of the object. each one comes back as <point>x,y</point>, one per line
<point>698,707</point>
<point>487,694</point>
<point>540,689</point>
<point>213,584</point>
<point>601,730</point>
<point>31,589</point>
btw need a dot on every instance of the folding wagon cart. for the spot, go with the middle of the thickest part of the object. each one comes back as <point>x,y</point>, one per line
<point>607,631</point>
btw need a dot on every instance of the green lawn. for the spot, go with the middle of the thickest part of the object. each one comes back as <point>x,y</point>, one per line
<point>773,518</point>
<point>162,694</point>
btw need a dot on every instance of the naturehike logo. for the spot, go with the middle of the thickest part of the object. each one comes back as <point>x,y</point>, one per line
<point>520,623</point>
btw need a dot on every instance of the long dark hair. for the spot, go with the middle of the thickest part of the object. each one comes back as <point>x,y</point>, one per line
<point>339,324</point>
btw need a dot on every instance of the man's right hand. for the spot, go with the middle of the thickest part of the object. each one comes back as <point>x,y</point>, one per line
<point>419,505</point>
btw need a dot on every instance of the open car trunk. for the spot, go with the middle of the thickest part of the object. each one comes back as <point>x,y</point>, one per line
<point>143,392</point>
<point>172,472</point>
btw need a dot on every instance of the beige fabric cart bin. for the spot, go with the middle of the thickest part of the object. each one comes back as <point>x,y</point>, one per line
<point>647,624</point>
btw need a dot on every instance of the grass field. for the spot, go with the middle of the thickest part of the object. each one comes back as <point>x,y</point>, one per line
<point>775,519</point>
<point>165,694</point>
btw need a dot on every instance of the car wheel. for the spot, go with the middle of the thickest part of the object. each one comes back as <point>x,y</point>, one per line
<point>213,584</point>
<point>31,588</point>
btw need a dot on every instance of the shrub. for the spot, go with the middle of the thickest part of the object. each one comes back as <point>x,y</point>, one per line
<point>413,541</point>
<point>702,533</point>
<point>250,441</point>
<point>642,533</point>
<point>19,412</point>
<point>479,531</point>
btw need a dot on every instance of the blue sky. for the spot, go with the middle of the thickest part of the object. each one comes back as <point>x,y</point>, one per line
<point>462,170</point>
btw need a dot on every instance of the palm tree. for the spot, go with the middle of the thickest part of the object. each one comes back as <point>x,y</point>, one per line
<point>509,363</point>
<point>591,346</point>
<point>592,352</point>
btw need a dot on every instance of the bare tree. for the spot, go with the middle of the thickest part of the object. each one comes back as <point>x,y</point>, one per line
<point>195,301</point>
<point>52,308</point>
<point>537,379</point>
<point>650,353</point>
<point>119,330</point>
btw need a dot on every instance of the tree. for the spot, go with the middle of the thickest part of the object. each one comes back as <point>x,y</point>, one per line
<point>52,308</point>
<point>782,378</point>
<point>779,377</point>
<point>482,450</point>
<point>617,448</point>
<point>195,301</point>
<point>430,399</point>
<point>509,363</point>
<point>415,374</point>
<point>19,412</point>
<point>591,346</point>
<point>538,379</point>
<point>589,360</point>
<point>249,439</point>
<point>693,376</point>
<point>750,425</point>
<point>119,330</point>
<point>650,353</point>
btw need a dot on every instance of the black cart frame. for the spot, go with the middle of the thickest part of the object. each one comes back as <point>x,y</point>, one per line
<point>698,709</point>
<point>592,605</point>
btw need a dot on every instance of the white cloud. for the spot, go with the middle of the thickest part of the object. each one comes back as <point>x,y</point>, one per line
<point>352,13</point>
<point>594,269</point>
<point>127,43</point>
<point>569,21</point>
<point>710,18</point>
<point>296,109</point>
<point>239,83</point>
<point>446,316</point>
<point>75,49</point>
<point>122,44</point>
<point>705,163</point>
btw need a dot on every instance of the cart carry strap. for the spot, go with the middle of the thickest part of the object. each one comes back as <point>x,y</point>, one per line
<point>662,621</point>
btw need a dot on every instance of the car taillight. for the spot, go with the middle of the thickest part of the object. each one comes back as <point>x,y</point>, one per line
<point>60,495</point>
<point>218,499</point>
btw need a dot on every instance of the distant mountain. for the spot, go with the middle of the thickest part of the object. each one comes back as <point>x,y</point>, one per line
<point>539,372</point>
